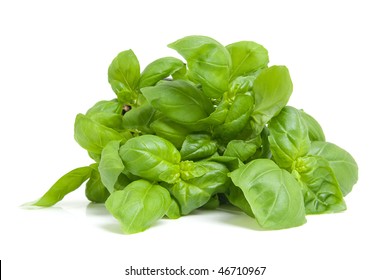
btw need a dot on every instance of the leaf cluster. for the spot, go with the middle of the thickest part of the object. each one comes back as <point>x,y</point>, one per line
<point>215,129</point>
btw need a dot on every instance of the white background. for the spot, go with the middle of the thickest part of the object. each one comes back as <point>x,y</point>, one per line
<point>54,57</point>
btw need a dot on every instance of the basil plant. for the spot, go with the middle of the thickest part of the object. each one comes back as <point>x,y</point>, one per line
<point>214,129</point>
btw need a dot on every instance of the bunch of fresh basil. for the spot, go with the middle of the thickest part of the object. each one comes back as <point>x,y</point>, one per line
<point>214,130</point>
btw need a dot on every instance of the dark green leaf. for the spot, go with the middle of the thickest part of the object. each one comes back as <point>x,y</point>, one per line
<point>265,145</point>
<point>124,180</point>
<point>95,191</point>
<point>237,198</point>
<point>213,203</point>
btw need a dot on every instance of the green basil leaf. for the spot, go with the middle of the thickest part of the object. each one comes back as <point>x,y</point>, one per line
<point>95,191</point>
<point>208,61</point>
<point>123,75</point>
<point>196,192</point>
<point>289,137</point>
<point>151,157</point>
<point>180,74</point>
<point>241,84</point>
<point>179,100</point>
<point>321,190</point>
<point>247,58</point>
<point>237,118</point>
<point>170,130</point>
<point>138,206</point>
<point>272,90</point>
<point>342,163</point>
<point>217,117</point>
<point>197,146</point>
<point>240,149</point>
<point>106,106</point>
<point>111,165</point>
<point>124,180</point>
<point>215,179</point>
<point>93,136</point>
<point>237,198</point>
<point>265,145</point>
<point>140,118</point>
<point>232,163</point>
<point>189,196</point>
<point>94,156</point>
<point>190,169</point>
<point>159,69</point>
<point>66,184</point>
<point>212,204</point>
<point>315,130</point>
<point>173,210</point>
<point>273,194</point>
<point>111,120</point>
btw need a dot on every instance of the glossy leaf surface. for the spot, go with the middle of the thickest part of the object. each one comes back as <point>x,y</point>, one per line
<point>179,100</point>
<point>151,157</point>
<point>110,165</point>
<point>123,75</point>
<point>93,136</point>
<point>95,190</point>
<point>140,118</point>
<point>237,118</point>
<point>247,57</point>
<point>342,163</point>
<point>289,137</point>
<point>273,194</point>
<point>139,205</point>
<point>240,149</point>
<point>272,90</point>
<point>66,184</point>
<point>321,190</point>
<point>197,146</point>
<point>314,128</point>
<point>194,193</point>
<point>171,131</point>
<point>159,69</point>
<point>208,63</point>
